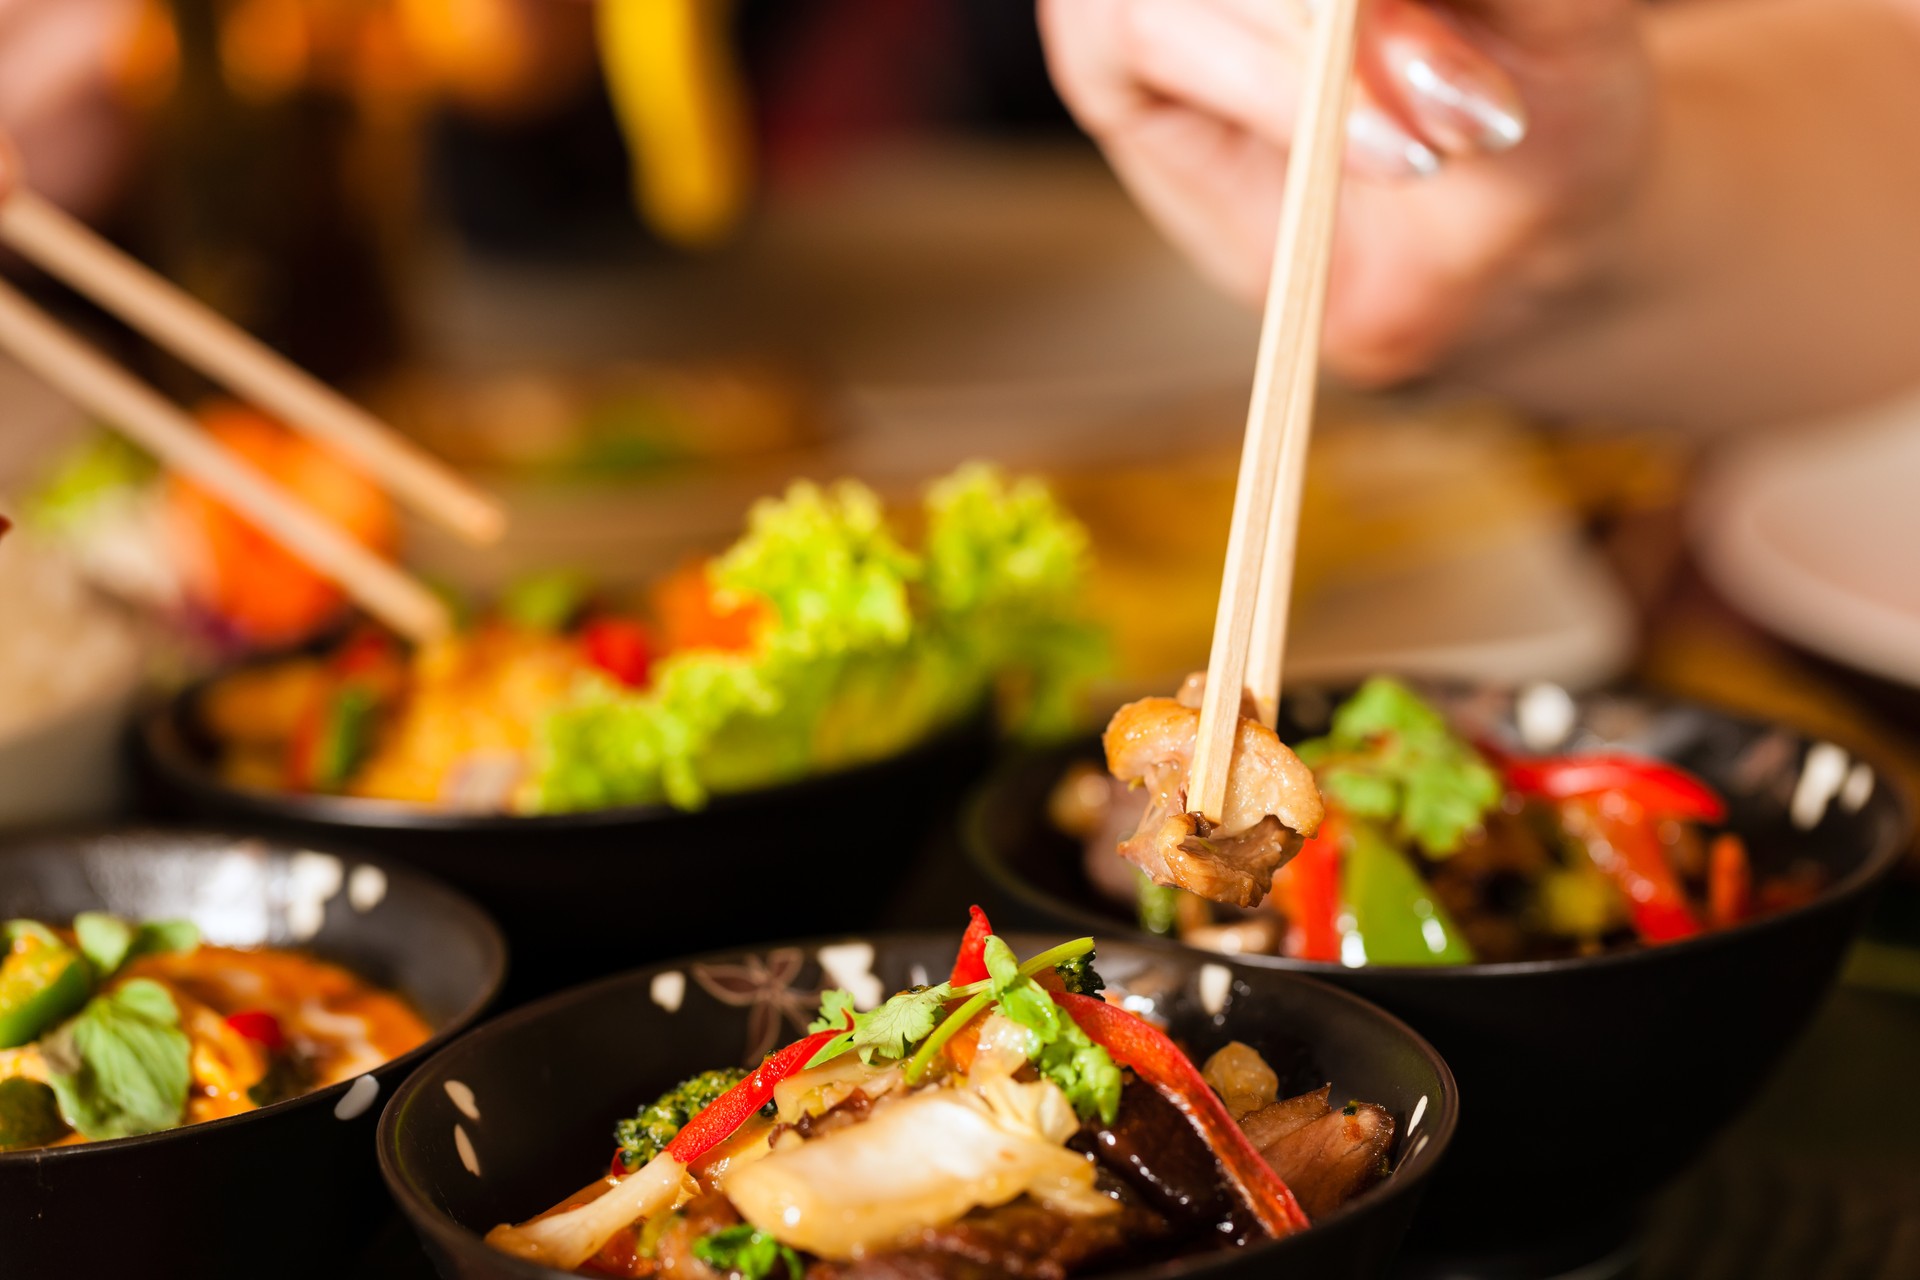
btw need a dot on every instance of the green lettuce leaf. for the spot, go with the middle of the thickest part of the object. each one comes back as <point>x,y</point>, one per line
<point>870,647</point>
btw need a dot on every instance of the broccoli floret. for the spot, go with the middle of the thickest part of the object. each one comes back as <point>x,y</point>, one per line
<point>1079,977</point>
<point>647,1133</point>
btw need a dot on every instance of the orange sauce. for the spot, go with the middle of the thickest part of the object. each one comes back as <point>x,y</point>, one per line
<point>338,1025</point>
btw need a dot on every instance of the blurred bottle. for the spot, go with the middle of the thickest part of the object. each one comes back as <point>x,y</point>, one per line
<point>258,193</point>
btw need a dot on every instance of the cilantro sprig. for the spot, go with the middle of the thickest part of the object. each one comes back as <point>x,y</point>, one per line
<point>889,1031</point>
<point>1059,1050</point>
<point>1057,1047</point>
<point>747,1252</point>
<point>1390,758</point>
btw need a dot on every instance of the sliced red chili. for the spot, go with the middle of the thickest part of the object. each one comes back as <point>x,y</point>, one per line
<point>1660,788</point>
<point>719,1118</point>
<point>1307,889</point>
<point>1622,840</point>
<point>260,1027</point>
<point>620,647</point>
<point>1156,1059</point>
<point>971,964</point>
<point>1729,881</point>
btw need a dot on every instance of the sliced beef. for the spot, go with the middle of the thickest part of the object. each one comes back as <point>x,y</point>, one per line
<point>1329,1160</point>
<point>1275,1121</point>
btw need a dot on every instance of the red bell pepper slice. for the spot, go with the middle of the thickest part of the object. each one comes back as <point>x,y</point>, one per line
<point>1729,881</point>
<point>1628,849</point>
<point>621,648</point>
<point>260,1027</point>
<point>1307,889</point>
<point>1661,789</point>
<point>971,964</point>
<point>1136,1043</point>
<point>719,1118</point>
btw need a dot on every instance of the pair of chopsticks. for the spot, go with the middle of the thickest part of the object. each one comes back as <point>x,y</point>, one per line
<point>66,249</point>
<point>1250,626</point>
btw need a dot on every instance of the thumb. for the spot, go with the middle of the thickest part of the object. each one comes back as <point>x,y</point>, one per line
<point>9,167</point>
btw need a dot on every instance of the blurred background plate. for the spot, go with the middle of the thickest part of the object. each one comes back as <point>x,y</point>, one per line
<point>1812,533</point>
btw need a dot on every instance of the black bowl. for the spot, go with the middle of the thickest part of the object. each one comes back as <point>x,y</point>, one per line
<point>579,894</point>
<point>289,1189</point>
<point>1589,1083</point>
<point>546,1083</point>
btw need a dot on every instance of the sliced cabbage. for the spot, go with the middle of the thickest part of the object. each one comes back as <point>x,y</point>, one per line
<point>810,1093</point>
<point>916,1162</point>
<point>567,1239</point>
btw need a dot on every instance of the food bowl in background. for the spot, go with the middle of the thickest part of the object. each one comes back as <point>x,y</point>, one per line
<point>581,894</point>
<point>1588,1082</point>
<point>286,1190</point>
<point>518,1115</point>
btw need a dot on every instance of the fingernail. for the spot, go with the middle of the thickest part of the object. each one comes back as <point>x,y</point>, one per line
<point>1465,108</point>
<point>1384,147</point>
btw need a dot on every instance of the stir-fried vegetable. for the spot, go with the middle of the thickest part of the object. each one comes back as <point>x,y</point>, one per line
<point>1392,759</point>
<point>1147,1051</point>
<point>914,1124</point>
<point>1435,850</point>
<point>645,1135</point>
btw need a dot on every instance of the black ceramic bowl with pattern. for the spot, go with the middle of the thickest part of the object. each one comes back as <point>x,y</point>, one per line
<point>1588,1082</point>
<point>290,1189</point>
<point>519,1114</point>
<point>572,891</point>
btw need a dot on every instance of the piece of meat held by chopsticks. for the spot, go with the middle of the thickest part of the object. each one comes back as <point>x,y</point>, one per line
<point>1272,802</point>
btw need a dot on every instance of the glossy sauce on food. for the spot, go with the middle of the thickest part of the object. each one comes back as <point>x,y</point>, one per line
<point>338,1025</point>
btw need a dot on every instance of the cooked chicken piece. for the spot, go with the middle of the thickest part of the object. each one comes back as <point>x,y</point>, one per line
<point>1272,803</point>
<point>1329,1160</point>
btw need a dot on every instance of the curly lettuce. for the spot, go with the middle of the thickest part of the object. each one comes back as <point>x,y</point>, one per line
<point>868,647</point>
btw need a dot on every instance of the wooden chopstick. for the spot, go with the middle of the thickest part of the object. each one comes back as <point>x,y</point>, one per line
<point>1262,538</point>
<point>67,249</point>
<point>101,386</point>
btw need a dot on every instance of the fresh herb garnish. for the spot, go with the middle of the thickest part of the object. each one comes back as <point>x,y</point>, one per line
<point>1058,1048</point>
<point>748,1253</point>
<point>109,943</point>
<point>647,1133</point>
<point>1392,759</point>
<point>889,1031</point>
<point>121,1066</point>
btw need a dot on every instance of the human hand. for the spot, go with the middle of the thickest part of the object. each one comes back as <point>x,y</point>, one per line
<point>63,116</point>
<point>1493,147</point>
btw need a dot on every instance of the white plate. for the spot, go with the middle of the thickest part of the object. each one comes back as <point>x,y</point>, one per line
<point>1816,535</point>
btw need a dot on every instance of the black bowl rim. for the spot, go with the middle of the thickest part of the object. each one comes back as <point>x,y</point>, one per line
<point>1874,869</point>
<point>492,940</point>
<point>165,749</point>
<point>1442,1115</point>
